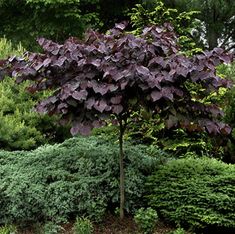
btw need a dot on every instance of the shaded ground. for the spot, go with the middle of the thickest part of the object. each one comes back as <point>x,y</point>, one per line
<point>110,225</point>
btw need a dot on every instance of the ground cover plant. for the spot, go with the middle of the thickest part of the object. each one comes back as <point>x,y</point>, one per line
<point>79,177</point>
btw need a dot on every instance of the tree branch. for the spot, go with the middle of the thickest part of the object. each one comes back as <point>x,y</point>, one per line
<point>230,48</point>
<point>227,38</point>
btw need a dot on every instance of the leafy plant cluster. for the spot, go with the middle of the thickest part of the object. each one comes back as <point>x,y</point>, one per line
<point>194,193</point>
<point>53,19</point>
<point>7,49</point>
<point>8,229</point>
<point>76,178</point>
<point>22,128</point>
<point>183,23</point>
<point>58,19</point>
<point>146,220</point>
<point>151,130</point>
<point>83,226</point>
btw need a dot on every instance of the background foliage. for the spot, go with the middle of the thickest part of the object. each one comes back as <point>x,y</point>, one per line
<point>20,126</point>
<point>217,18</point>
<point>183,22</point>
<point>57,19</point>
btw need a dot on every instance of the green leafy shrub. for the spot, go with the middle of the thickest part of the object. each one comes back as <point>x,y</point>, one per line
<point>77,177</point>
<point>7,49</point>
<point>57,19</point>
<point>178,231</point>
<point>22,128</point>
<point>8,229</point>
<point>194,193</point>
<point>83,226</point>
<point>51,228</point>
<point>146,220</point>
<point>183,23</point>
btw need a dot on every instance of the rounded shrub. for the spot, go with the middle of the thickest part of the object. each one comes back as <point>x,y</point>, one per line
<point>146,220</point>
<point>79,177</point>
<point>83,226</point>
<point>194,193</point>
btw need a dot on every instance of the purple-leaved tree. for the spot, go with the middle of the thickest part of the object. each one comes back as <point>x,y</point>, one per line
<point>117,73</point>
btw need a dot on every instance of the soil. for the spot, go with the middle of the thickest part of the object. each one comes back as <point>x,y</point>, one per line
<point>110,225</point>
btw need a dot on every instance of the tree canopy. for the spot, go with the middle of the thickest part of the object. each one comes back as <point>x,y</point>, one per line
<point>119,72</point>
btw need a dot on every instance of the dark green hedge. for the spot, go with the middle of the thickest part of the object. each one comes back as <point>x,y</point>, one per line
<point>195,193</point>
<point>78,177</point>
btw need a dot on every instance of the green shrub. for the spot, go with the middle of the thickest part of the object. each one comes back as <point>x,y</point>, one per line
<point>7,49</point>
<point>194,193</point>
<point>51,228</point>
<point>83,226</point>
<point>178,231</point>
<point>8,229</point>
<point>77,177</point>
<point>21,128</point>
<point>146,220</point>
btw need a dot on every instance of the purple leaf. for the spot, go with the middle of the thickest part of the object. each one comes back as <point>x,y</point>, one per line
<point>167,93</point>
<point>100,105</point>
<point>39,66</point>
<point>90,103</point>
<point>82,128</point>
<point>96,62</point>
<point>113,87</point>
<point>121,26</point>
<point>116,100</point>
<point>212,128</point>
<point>60,61</point>
<point>46,62</point>
<point>156,95</point>
<point>85,130</point>
<point>80,95</point>
<point>117,76</point>
<point>41,41</point>
<point>117,109</point>
<point>144,71</point>
<point>123,85</point>
<point>226,130</point>
<point>100,88</point>
<point>74,130</point>
<point>97,123</point>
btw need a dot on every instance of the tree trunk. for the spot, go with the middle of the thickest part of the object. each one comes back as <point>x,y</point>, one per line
<point>212,38</point>
<point>121,167</point>
<point>212,27</point>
